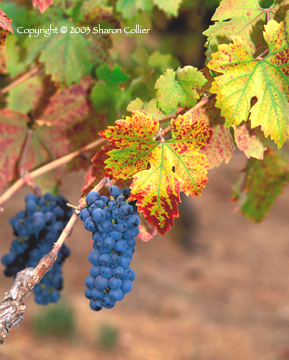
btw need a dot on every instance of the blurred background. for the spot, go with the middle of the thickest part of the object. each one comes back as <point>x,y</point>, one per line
<point>215,287</point>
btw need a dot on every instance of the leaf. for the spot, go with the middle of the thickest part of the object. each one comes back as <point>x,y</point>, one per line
<point>243,18</point>
<point>68,56</point>
<point>3,61</point>
<point>176,88</point>
<point>12,51</point>
<point>5,27</point>
<point>246,79</point>
<point>96,172</point>
<point>129,8</point>
<point>25,96</point>
<point>160,169</point>
<point>13,131</point>
<point>68,105</point>
<point>221,146</point>
<point>108,96</point>
<point>148,108</point>
<point>42,4</point>
<point>170,7</point>
<point>262,182</point>
<point>146,230</point>
<point>247,141</point>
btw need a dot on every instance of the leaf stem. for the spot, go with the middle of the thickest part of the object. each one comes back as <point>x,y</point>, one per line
<point>43,169</point>
<point>20,80</point>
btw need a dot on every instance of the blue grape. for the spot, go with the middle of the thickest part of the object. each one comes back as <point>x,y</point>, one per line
<point>126,286</point>
<point>115,226</point>
<point>114,191</point>
<point>37,228</point>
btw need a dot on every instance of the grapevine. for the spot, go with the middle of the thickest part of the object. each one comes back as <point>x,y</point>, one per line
<point>145,129</point>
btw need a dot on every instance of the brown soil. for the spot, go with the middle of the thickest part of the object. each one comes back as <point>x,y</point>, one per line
<point>214,288</point>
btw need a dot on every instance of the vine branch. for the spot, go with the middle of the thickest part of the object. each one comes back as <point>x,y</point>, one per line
<point>45,168</point>
<point>21,79</point>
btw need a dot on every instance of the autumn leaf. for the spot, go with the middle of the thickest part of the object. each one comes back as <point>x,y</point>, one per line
<point>248,141</point>
<point>42,4</point>
<point>243,18</point>
<point>178,88</point>
<point>45,144</point>
<point>68,105</point>
<point>221,146</point>
<point>246,79</point>
<point>160,169</point>
<point>261,182</point>
<point>13,131</point>
<point>5,27</point>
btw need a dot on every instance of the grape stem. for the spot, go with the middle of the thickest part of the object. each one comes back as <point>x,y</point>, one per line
<point>44,169</point>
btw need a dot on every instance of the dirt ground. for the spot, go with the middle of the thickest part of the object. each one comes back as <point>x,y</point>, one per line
<point>214,288</point>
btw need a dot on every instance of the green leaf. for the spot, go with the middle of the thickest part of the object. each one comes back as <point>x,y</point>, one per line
<point>129,8</point>
<point>67,56</point>
<point>12,51</point>
<point>261,183</point>
<point>177,88</point>
<point>170,7</point>
<point>108,96</point>
<point>246,79</point>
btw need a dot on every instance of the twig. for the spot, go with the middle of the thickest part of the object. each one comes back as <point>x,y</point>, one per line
<point>12,308</point>
<point>43,169</point>
<point>20,80</point>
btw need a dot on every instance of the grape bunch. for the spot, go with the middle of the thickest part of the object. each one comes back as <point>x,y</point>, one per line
<point>36,229</point>
<point>114,224</point>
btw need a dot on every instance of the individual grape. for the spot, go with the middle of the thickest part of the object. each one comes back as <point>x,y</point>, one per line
<point>133,220</point>
<point>98,215</point>
<point>114,191</point>
<point>95,271</point>
<point>100,282</point>
<point>89,224</point>
<point>89,280</point>
<point>84,213</point>
<point>97,294</point>
<point>105,260</point>
<point>96,305</point>
<point>114,283</point>
<point>92,196</point>
<point>116,295</point>
<point>126,286</point>
<point>118,272</point>
<point>108,243</point>
<point>106,271</point>
<point>88,293</point>
<point>94,256</point>
<point>116,235</point>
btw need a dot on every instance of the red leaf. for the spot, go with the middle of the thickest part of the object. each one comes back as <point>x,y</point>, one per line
<point>42,4</point>
<point>5,27</point>
<point>13,132</point>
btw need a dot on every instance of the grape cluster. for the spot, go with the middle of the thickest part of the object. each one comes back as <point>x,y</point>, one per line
<point>37,228</point>
<point>114,224</point>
